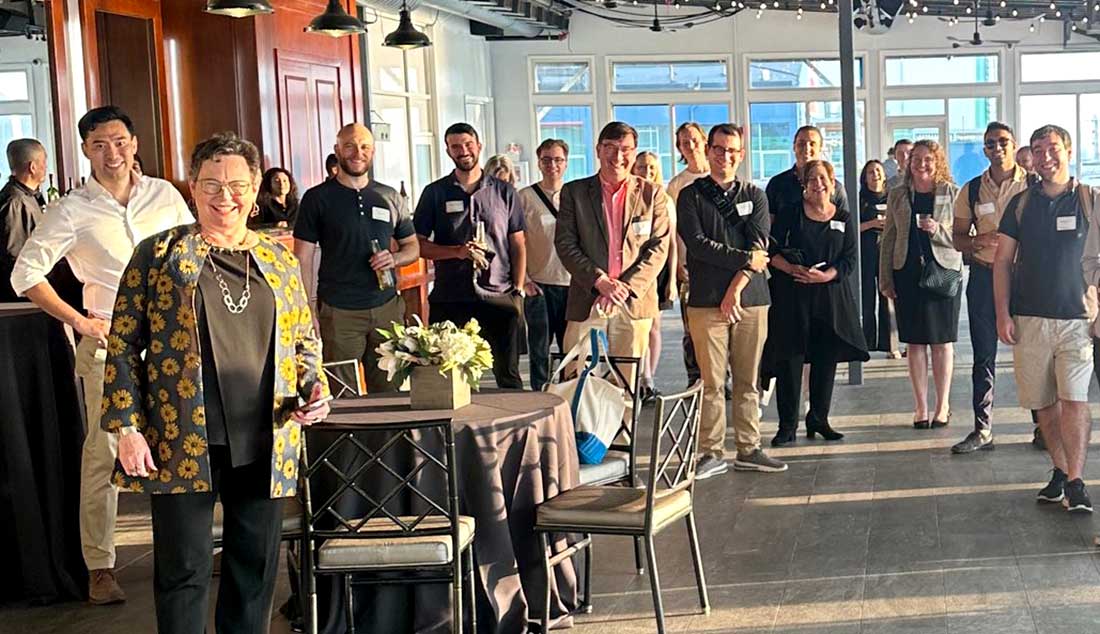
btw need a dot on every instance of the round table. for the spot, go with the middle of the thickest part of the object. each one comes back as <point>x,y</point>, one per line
<point>41,436</point>
<point>513,450</point>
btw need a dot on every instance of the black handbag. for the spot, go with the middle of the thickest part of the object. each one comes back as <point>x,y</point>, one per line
<point>937,279</point>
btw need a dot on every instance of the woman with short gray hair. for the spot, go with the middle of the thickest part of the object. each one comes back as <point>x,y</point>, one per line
<point>212,369</point>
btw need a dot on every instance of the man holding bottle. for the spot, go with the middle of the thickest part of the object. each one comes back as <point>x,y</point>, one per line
<point>354,220</point>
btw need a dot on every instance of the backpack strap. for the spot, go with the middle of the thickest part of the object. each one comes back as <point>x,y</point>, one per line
<point>973,189</point>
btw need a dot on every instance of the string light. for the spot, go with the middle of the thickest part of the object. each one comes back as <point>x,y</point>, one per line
<point>996,18</point>
<point>758,14</point>
<point>1042,18</point>
<point>1053,6</point>
<point>924,9</point>
<point>910,18</point>
<point>969,10</point>
<point>1015,13</point>
<point>1031,27</point>
<point>823,6</point>
<point>1003,3</point>
<point>1058,13</point>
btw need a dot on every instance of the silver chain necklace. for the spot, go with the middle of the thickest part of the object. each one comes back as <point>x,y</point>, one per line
<point>234,307</point>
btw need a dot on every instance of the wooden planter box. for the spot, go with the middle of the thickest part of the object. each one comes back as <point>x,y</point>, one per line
<point>432,390</point>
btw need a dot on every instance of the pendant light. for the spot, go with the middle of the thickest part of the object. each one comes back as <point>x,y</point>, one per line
<point>336,22</point>
<point>238,8</point>
<point>406,36</point>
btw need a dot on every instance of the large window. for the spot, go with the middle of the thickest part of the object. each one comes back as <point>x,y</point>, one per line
<point>770,74</point>
<point>1079,114</point>
<point>954,69</point>
<point>1075,66</point>
<point>708,75</point>
<point>772,130</point>
<point>563,77</point>
<point>656,126</point>
<point>573,124</point>
<point>401,113</point>
<point>16,110</point>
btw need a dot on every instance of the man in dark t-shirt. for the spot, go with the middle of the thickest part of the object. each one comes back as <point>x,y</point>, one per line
<point>355,220</point>
<point>472,226</point>
<point>1044,307</point>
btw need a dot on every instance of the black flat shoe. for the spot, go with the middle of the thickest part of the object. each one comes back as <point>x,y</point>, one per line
<point>784,437</point>
<point>922,424</point>
<point>936,424</point>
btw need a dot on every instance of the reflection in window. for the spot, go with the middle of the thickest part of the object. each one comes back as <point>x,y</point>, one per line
<point>573,124</point>
<point>799,73</point>
<point>953,69</point>
<point>1039,110</point>
<point>1087,145</point>
<point>14,86</point>
<point>1075,66</point>
<point>12,127</point>
<point>666,76</point>
<point>564,77</point>
<point>772,128</point>
<point>965,131</point>
<point>914,107</point>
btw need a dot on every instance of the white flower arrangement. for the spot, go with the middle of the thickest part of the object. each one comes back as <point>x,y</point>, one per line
<point>445,345</point>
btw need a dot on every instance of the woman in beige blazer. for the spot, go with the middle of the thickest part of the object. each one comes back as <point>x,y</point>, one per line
<point>919,218</point>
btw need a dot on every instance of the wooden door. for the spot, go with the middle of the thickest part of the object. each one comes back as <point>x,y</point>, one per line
<point>310,115</point>
<point>124,65</point>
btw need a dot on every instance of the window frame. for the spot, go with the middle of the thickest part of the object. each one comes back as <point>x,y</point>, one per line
<point>617,95</point>
<point>533,61</point>
<point>786,57</point>
<point>885,56</point>
<point>29,107</point>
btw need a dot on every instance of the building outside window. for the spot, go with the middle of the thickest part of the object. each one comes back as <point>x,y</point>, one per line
<point>564,108</point>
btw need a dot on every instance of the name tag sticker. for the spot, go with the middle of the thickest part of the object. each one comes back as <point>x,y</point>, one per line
<point>984,209</point>
<point>1067,223</point>
<point>744,209</point>
<point>380,213</point>
<point>643,227</point>
<point>881,207</point>
<point>943,199</point>
<point>836,225</point>
<point>455,206</point>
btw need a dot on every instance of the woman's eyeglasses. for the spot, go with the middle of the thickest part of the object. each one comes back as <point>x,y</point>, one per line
<point>212,187</point>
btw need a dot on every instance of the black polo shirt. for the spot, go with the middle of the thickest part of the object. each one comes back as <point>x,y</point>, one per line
<point>447,215</point>
<point>784,192</point>
<point>343,221</point>
<point>1048,280</point>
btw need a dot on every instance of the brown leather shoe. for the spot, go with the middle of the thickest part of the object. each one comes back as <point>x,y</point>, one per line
<point>103,588</point>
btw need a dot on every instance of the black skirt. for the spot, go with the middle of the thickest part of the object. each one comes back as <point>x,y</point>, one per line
<point>924,317</point>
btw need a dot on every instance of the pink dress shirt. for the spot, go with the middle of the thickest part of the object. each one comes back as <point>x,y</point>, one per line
<point>614,211</point>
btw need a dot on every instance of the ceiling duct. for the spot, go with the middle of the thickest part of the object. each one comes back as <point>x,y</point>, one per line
<point>529,21</point>
<point>876,16</point>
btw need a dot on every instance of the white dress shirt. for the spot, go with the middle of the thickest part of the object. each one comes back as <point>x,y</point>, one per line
<point>98,235</point>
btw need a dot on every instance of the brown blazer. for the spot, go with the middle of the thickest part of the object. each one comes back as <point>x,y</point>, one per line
<point>581,241</point>
<point>894,243</point>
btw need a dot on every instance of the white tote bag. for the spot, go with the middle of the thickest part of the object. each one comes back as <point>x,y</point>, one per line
<point>597,404</point>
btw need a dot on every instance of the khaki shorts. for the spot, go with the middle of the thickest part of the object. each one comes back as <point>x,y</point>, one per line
<point>1053,360</point>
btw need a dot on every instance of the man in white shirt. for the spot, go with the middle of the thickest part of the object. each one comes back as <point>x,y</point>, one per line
<point>96,228</point>
<point>691,141</point>
<point>547,280</point>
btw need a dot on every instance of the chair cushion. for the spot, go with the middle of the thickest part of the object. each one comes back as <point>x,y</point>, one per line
<point>385,552</point>
<point>615,467</point>
<point>292,519</point>
<point>598,507</point>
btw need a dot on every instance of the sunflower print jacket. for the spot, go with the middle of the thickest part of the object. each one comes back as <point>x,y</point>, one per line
<point>153,377</point>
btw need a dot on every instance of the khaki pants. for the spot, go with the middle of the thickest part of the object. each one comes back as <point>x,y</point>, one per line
<point>720,345</point>
<point>626,337</point>
<point>98,497</point>
<point>353,334</point>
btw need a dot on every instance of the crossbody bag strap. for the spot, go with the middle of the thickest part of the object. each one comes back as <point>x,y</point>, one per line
<point>545,200</point>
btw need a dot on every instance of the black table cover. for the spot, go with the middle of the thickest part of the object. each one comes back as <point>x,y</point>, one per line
<point>41,436</point>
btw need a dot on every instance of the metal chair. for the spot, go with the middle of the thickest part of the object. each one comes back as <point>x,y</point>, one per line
<point>667,497</point>
<point>372,544</point>
<point>346,379</point>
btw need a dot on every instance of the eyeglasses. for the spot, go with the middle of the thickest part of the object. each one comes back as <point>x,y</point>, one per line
<point>611,146</point>
<point>212,187</point>
<point>551,160</point>
<point>992,143</point>
<point>732,151</point>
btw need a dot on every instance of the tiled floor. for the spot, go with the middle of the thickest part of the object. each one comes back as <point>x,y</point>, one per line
<point>885,532</point>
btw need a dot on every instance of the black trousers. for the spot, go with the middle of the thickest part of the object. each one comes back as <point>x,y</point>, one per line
<point>788,390</point>
<point>183,552</point>
<point>545,314</point>
<point>500,327</point>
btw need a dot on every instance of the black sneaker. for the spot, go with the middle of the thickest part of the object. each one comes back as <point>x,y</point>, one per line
<point>974,441</point>
<point>1077,499</point>
<point>1054,491</point>
<point>710,466</point>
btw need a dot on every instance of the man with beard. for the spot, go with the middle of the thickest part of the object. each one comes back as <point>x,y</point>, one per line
<point>785,189</point>
<point>356,221</point>
<point>472,226</point>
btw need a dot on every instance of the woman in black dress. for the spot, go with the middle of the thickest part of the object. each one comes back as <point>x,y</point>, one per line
<point>813,317</point>
<point>919,217</point>
<point>879,328</point>
<point>277,202</point>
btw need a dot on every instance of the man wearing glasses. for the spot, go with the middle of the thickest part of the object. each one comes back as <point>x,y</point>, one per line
<point>979,207</point>
<point>613,238</point>
<point>547,279</point>
<point>96,228</point>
